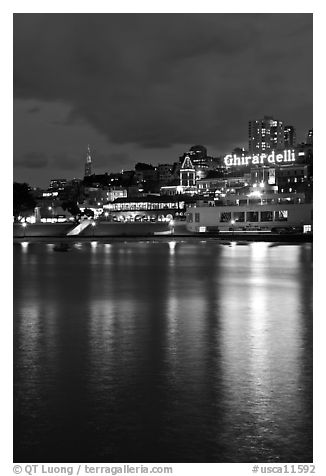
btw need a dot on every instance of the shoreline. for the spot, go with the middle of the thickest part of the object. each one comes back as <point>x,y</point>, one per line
<point>229,237</point>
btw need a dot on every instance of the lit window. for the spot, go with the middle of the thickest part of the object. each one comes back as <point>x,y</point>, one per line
<point>281,215</point>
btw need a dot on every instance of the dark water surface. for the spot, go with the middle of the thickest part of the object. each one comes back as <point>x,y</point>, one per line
<point>150,351</point>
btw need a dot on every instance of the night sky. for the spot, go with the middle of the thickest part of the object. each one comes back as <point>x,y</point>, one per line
<point>146,87</point>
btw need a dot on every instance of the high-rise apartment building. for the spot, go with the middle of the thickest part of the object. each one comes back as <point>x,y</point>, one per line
<point>289,137</point>
<point>266,134</point>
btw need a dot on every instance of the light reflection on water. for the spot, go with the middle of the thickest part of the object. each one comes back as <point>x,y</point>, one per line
<point>163,351</point>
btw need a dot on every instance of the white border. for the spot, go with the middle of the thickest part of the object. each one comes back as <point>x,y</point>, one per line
<point>74,6</point>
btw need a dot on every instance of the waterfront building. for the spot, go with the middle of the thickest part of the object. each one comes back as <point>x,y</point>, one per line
<point>257,209</point>
<point>266,134</point>
<point>255,217</point>
<point>260,191</point>
<point>268,167</point>
<point>149,208</point>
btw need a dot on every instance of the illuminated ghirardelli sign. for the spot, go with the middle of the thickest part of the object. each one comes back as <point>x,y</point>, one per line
<point>275,157</point>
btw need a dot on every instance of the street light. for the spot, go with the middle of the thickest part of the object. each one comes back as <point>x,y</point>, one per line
<point>52,212</point>
<point>93,226</point>
<point>232,223</point>
<point>24,225</point>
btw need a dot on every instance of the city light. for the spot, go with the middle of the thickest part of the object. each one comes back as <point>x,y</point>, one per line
<point>24,225</point>
<point>256,193</point>
<point>272,158</point>
<point>172,245</point>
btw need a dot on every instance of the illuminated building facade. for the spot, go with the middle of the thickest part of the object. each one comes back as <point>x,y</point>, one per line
<point>250,217</point>
<point>187,180</point>
<point>266,134</point>
<point>150,208</point>
<point>259,192</point>
<point>58,184</point>
<point>187,173</point>
<point>116,192</point>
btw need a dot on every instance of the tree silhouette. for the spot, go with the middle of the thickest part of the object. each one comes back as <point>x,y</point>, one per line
<point>72,208</point>
<point>23,200</point>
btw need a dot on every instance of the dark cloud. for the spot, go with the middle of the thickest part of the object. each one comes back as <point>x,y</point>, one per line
<point>31,160</point>
<point>155,81</point>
